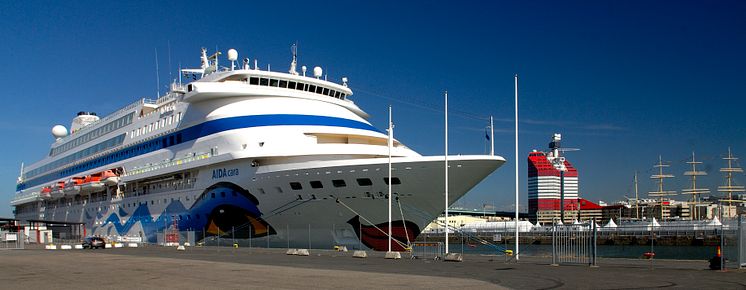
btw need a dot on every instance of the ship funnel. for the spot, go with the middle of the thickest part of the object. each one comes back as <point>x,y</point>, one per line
<point>83,119</point>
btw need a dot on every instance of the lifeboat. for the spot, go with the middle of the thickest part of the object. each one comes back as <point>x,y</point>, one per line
<point>46,192</point>
<point>109,177</point>
<point>72,186</point>
<point>92,183</point>
<point>57,190</point>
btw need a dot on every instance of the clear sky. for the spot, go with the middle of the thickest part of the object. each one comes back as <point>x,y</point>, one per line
<point>622,80</point>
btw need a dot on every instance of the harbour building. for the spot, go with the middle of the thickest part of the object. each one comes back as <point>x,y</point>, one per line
<point>553,188</point>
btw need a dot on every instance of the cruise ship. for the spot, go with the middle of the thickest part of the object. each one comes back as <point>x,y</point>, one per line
<point>243,152</point>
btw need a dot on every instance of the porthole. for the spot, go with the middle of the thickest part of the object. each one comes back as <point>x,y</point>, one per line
<point>364,182</point>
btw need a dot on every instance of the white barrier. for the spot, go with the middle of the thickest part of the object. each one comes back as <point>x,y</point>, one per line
<point>132,245</point>
<point>51,247</point>
<point>78,247</point>
<point>360,254</point>
<point>108,246</point>
<point>66,247</point>
<point>118,245</point>
<point>302,252</point>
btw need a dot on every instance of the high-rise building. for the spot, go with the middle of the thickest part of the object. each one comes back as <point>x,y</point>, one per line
<point>552,186</point>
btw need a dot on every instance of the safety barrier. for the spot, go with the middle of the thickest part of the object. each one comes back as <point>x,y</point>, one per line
<point>574,244</point>
<point>427,250</point>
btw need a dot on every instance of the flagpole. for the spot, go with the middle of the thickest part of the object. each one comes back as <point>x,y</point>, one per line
<point>517,252</point>
<point>492,138</point>
<point>390,144</point>
<point>446,166</point>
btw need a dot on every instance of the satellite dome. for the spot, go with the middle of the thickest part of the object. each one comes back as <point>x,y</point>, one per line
<point>59,131</point>
<point>317,72</point>
<point>232,54</point>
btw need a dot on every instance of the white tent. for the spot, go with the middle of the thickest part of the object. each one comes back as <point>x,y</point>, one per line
<point>715,222</point>
<point>653,224</point>
<point>576,222</point>
<point>610,224</point>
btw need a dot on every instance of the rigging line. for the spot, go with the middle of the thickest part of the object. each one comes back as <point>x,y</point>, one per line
<point>401,212</point>
<point>372,224</point>
<point>430,106</point>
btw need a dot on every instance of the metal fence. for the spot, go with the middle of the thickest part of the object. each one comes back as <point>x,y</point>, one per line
<point>12,240</point>
<point>427,250</point>
<point>574,244</point>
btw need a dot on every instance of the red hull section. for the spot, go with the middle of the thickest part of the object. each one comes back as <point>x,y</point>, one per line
<point>376,237</point>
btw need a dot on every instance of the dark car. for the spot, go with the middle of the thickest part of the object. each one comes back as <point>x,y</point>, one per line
<point>94,243</point>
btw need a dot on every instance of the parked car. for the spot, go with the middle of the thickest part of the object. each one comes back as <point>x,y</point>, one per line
<point>94,243</point>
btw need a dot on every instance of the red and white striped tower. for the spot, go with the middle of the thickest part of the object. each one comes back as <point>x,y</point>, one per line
<point>552,185</point>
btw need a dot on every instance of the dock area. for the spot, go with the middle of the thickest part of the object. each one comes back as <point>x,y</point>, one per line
<point>221,267</point>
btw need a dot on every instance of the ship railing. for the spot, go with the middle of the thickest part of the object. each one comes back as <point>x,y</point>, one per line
<point>173,162</point>
<point>24,197</point>
<point>186,184</point>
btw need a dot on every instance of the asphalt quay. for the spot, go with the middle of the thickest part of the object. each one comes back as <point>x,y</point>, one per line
<point>152,267</point>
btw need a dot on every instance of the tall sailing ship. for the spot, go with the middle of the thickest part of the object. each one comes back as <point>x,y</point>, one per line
<point>730,188</point>
<point>278,156</point>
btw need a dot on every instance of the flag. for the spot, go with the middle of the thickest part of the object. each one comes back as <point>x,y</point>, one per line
<point>486,135</point>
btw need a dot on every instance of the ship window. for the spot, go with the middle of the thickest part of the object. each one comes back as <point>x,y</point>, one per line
<point>263,82</point>
<point>300,86</point>
<point>311,88</point>
<point>326,91</point>
<point>197,215</point>
<point>339,183</point>
<point>296,186</point>
<point>364,182</point>
<point>291,85</point>
<point>283,84</point>
<point>212,195</point>
<point>319,90</point>
<point>337,94</point>
<point>222,194</point>
<point>343,96</point>
<point>316,184</point>
<point>254,81</point>
<point>273,82</point>
<point>394,180</point>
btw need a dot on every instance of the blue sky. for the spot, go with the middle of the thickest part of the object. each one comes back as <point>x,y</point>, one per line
<point>622,80</point>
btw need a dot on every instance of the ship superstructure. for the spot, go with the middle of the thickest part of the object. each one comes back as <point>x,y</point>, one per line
<point>280,156</point>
